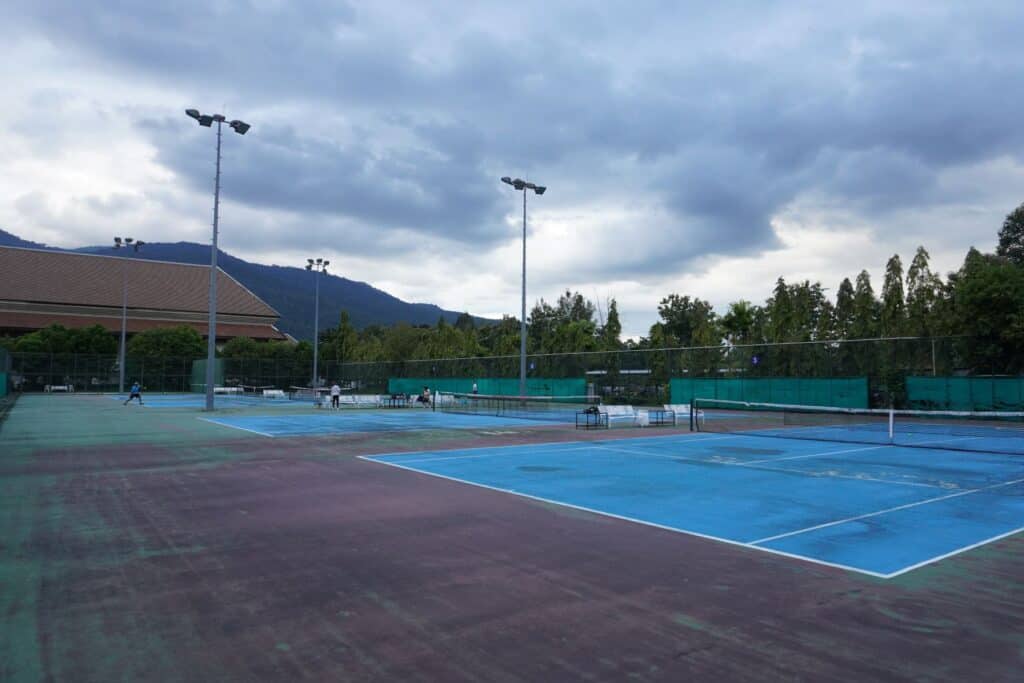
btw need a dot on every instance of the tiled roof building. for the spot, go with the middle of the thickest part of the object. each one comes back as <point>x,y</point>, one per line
<point>39,288</point>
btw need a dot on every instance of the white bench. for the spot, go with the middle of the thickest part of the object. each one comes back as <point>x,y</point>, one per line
<point>274,393</point>
<point>619,413</point>
<point>49,388</point>
<point>682,412</point>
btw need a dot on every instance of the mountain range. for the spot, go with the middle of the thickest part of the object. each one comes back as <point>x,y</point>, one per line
<point>287,289</point>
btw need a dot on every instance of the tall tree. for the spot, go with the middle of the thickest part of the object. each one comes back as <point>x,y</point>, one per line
<point>844,309</point>
<point>686,320</point>
<point>865,308</point>
<point>739,322</point>
<point>988,303</point>
<point>339,343</point>
<point>893,304</point>
<point>612,328</point>
<point>780,313</point>
<point>1011,236</point>
<point>924,289</point>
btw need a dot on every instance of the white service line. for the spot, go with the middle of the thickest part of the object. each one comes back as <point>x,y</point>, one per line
<point>815,455</point>
<point>952,553</point>
<point>767,468</point>
<point>612,515</point>
<point>886,511</point>
<point>231,426</point>
<point>471,456</point>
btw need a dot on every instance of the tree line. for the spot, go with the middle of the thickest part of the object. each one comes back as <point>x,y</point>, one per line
<point>980,305</point>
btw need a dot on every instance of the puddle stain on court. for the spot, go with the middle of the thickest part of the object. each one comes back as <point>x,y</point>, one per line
<point>539,468</point>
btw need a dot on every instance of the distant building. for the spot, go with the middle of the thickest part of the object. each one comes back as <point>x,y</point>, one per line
<point>39,288</point>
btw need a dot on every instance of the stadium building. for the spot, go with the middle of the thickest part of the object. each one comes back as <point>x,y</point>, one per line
<point>39,288</point>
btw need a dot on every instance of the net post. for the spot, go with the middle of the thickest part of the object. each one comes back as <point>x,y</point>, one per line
<point>433,402</point>
<point>693,414</point>
<point>892,420</point>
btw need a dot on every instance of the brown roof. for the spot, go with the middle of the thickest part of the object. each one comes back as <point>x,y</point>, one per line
<point>41,276</point>
<point>34,321</point>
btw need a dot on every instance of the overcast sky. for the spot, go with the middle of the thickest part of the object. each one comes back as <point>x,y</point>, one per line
<point>699,150</point>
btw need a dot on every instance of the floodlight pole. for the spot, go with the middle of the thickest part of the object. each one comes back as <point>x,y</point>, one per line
<point>211,328</point>
<point>241,128</point>
<point>522,320</point>
<point>317,267</point>
<point>523,186</point>
<point>135,245</point>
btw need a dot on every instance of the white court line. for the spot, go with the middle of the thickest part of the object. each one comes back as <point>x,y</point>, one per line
<point>886,511</point>
<point>814,455</point>
<point>482,455</point>
<point>766,468</point>
<point>602,513</point>
<point>944,556</point>
<point>244,429</point>
<point>559,443</point>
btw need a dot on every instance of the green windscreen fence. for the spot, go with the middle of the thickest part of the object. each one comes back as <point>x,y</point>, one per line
<point>3,384</point>
<point>198,379</point>
<point>966,393</point>
<point>842,392</point>
<point>497,386</point>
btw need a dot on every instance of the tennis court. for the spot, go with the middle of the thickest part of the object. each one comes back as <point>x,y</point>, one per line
<point>143,541</point>
<point>193,400</point>
<point>365,420</point>
<point>877,509</point>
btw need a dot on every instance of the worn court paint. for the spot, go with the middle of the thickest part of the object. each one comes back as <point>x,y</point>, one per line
<point>341,422</point>
<point>168,549</point>
<point>880,511</point>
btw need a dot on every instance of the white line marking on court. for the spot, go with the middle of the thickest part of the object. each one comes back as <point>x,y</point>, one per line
<point>485,455</point>
<point>684,436</point>
<point>886,511</point>
<point>225,424</point>
<point>813,455</point>
<point>767,468</point>
<point>944,556</point>
<point>602,513</point>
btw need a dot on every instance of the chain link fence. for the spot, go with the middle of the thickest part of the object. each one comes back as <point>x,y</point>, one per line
<point>638,376</point>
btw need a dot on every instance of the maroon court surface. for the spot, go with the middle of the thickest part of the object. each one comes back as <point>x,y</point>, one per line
<point>150,545</point>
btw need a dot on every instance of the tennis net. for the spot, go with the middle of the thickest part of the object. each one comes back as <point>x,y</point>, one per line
<point>551,408</point>
<point>308,393</point>
<point>987,432</point>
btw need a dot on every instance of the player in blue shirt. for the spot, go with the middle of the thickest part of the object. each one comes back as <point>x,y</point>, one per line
<point>136,392</point>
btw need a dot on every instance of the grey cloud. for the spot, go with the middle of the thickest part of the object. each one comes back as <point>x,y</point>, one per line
<point>721,117</point>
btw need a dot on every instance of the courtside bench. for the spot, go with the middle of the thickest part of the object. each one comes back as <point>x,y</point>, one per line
<point>606,416</point>
<point>591,419</point>
<point>681,411</point>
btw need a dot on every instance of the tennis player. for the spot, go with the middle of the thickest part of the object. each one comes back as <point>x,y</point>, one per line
<point>335,395</point>
<point>135,392</point>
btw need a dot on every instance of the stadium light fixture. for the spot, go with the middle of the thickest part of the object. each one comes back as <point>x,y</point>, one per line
<point>241,128</point>
<point>522,186</point>
<point>318,267</point>
<point>134,245</point>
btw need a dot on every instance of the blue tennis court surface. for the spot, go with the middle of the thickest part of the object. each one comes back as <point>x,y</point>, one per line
<point>199,401</point>
<point>360,420</point>
<point>878,509</point>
